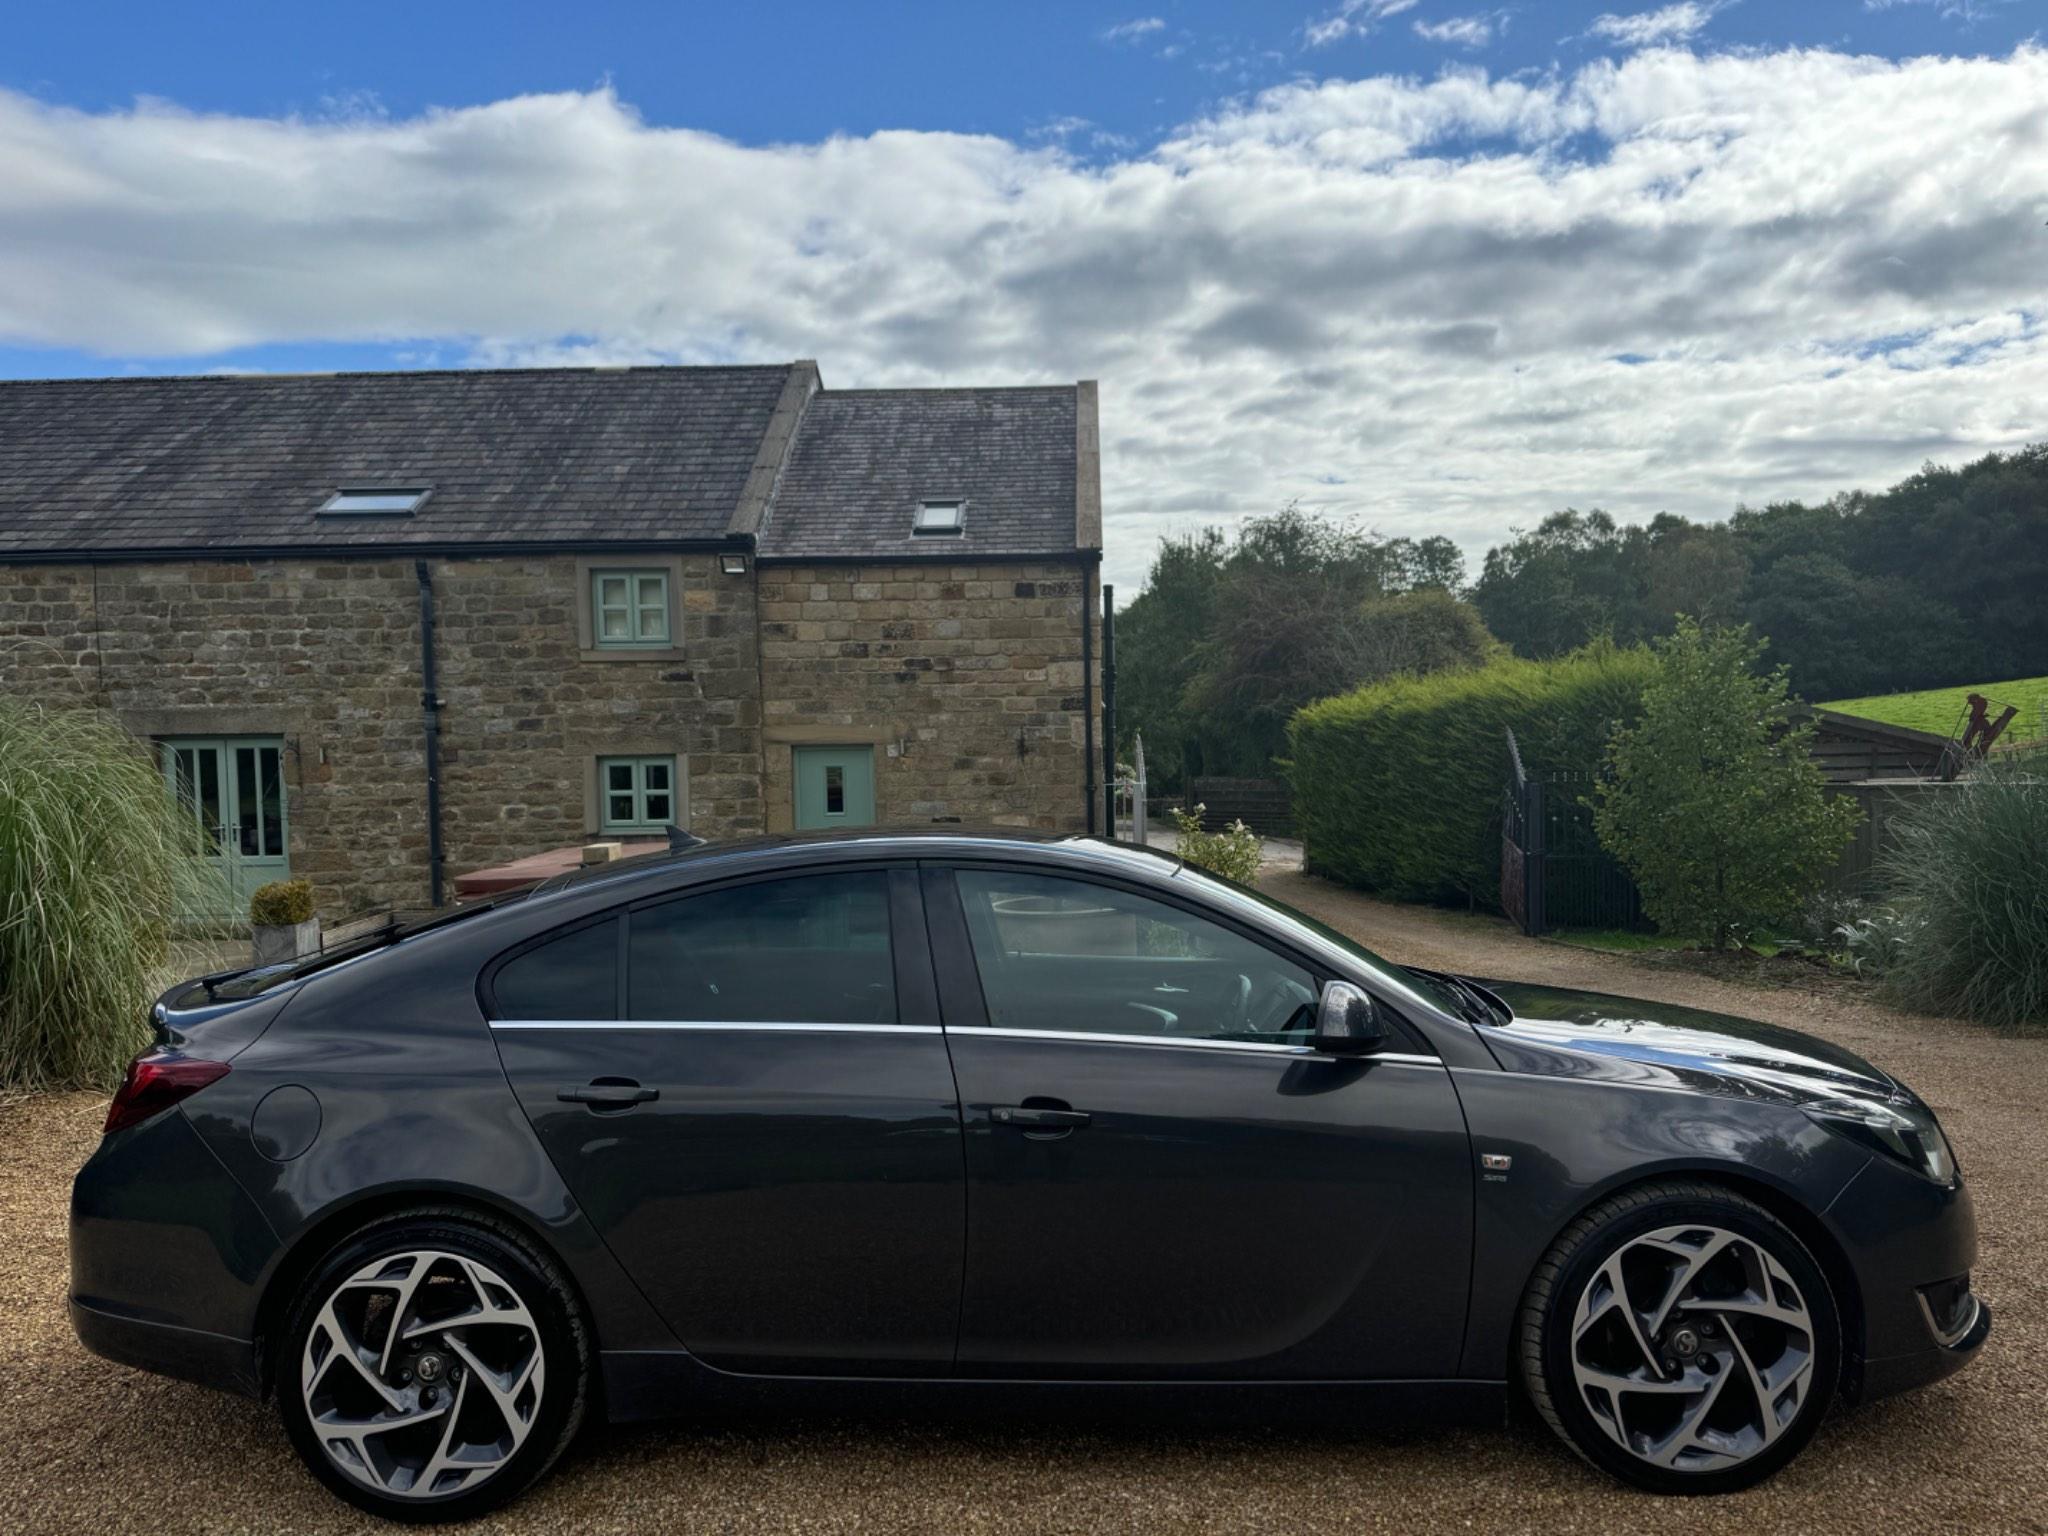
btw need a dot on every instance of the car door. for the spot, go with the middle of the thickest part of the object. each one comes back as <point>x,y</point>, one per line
<point>1164,1179</point>
<point>748,1092</point>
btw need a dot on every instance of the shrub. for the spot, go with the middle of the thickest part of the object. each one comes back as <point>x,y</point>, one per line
<point>281,903</point>
<point>1232,853</point>
<point>1872,945</point>
<point>1713,800</point>
<point>1965,865</point>
<point>93,861</point>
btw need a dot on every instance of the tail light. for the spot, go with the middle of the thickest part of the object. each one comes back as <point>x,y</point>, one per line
<point>156,1080</point>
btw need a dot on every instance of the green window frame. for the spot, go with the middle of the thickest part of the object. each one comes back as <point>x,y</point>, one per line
<point>629,609</point>
<point>636,794</point>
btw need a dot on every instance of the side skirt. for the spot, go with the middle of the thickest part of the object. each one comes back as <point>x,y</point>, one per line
<point>655,1384</point>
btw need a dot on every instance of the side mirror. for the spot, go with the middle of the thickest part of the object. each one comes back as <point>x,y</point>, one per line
<point>1348,1022</point>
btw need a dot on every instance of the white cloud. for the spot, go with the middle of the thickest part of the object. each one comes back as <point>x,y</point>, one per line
<point>1132,31</point>
<point>1965,11</point>
<point>1353,18</point>
<point>1671,24</point>
<point>1664,281</point>
<point>1465,31</point>
<point>1059,129</point>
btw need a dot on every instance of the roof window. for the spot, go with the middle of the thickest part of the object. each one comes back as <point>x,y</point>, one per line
<point>375,501</point>
<point>938,517</point>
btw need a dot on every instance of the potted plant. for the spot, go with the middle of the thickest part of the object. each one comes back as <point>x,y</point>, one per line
<point>282,921</point>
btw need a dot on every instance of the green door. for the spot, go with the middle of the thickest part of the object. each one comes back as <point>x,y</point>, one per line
<point>835,786</point>
<point>233,787</point>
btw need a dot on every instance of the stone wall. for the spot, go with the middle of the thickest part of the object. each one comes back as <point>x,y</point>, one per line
<point>325,653</point>
<point>526,717</point>
<point>965,679</point>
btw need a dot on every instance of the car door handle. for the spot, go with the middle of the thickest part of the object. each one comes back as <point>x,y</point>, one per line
<point>1025,1117</point>
<point>610,1094</point>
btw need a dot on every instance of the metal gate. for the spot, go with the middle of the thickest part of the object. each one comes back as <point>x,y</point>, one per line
<point>1553,871</point>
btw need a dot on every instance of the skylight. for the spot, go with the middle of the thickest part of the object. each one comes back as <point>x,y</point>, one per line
<point>369,501</point>
<point>938,516</point>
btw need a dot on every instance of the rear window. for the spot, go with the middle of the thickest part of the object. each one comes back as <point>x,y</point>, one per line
<point>808,950</point>
<point>574,975</point>
<point>239,985</point>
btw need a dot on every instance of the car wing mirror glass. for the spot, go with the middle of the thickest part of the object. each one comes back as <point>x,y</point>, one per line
<point>1348,1020</point>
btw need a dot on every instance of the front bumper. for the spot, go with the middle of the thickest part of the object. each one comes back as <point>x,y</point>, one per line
<point>1901,1373</point>
<point>1907,1238</point>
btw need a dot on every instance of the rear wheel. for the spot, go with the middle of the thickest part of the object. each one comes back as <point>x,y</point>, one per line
<point>1682,1338</point>
<point>435,1366</point>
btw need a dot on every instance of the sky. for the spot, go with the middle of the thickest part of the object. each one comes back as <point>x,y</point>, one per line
<point>1429,265</point>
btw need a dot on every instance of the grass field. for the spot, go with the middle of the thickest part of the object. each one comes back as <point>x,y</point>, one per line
<point>1939,709</point>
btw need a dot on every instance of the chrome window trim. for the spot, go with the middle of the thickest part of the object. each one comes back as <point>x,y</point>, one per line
<point>1103,1037</point>
<point>1074,1036</point>
<point>720,1025</point>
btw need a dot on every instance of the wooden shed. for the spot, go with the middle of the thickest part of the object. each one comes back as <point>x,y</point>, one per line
<point>1852,750</point>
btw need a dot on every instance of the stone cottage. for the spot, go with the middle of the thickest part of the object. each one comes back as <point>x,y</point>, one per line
<point>382,628</point>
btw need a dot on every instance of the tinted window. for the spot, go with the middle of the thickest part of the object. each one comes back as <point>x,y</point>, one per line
<point>575,976</point>
<point>1068,955</point>
<point>810,950</point>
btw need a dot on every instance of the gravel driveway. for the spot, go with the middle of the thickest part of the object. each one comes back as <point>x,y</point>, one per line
<point>90,1447</point>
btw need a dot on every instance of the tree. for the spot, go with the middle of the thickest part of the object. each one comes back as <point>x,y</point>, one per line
<point>1229,638</point>
<point>1418,632</point>
<point>1157,636</point>
<point>1712,800</point>
<point>1690,569</point>
<point>1934,581</point>
<point>1420,564</point>
<point>1549,591</point>
<point>1846,635</point>
<point>1280,635</point>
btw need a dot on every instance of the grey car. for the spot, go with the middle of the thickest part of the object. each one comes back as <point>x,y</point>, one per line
<point>1004,1113</point>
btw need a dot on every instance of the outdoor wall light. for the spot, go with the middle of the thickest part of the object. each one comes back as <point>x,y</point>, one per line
<point>733,565</point>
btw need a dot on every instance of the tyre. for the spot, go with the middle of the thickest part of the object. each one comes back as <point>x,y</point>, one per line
<point>434,1366</point>
<point>1682,1338</point>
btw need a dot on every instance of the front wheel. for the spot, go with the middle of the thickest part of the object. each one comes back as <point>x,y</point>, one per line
<point>435,1366</point>
<point>1682,1338</point>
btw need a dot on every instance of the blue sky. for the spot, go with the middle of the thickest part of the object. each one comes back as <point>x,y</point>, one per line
<point>803,70</point>
<point>1430,263</point>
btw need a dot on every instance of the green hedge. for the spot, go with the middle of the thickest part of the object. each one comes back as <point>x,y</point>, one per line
<point>1397,787</point>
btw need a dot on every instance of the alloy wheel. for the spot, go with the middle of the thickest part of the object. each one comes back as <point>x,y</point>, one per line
<point>1693,1349</point>
<point>422,1374</point>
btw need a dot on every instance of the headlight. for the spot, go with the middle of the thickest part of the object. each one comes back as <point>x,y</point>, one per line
<point>1903,1128</point>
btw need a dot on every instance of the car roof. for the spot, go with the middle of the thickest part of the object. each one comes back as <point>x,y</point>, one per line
<point>866,842</point>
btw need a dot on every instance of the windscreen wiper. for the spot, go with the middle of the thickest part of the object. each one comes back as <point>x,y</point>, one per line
<point>1474,1006</point>
<point>1496,1013</point>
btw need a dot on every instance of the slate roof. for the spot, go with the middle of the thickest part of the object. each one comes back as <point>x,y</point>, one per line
<point>558,455</point>
<point>864,458</point>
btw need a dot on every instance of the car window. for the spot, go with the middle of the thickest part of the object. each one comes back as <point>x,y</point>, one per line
<point>1062,954</point>
<point>813,949</point>
<point>572,976</point>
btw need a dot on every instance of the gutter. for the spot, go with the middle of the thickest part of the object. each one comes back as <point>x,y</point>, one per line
<point>430,721</point>
<point>1088,689</point>
<point>215,554</point>
<point>954,555</point>
<point>1108,710</point>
